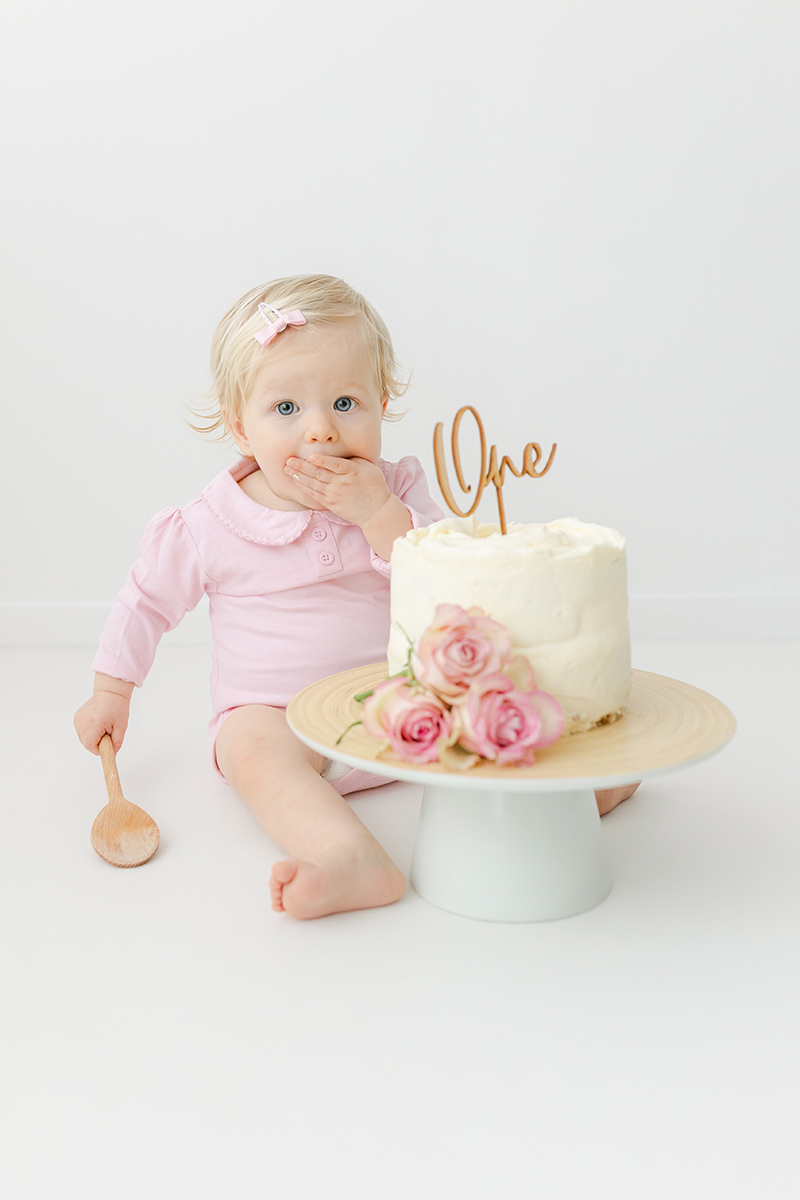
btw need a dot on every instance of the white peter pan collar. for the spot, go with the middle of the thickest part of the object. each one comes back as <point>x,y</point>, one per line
<point>251,520</point>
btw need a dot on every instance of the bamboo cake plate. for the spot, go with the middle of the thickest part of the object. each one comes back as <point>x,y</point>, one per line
<point>668,724</point>
<point>521,843</point>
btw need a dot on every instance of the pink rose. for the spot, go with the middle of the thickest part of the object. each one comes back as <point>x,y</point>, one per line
<point>412,719</point>
<point>506,725</point>
<point>457,647</point>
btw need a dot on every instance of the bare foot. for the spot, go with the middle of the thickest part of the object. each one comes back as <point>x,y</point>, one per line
<point>609,798</point>
<point>306,890</point>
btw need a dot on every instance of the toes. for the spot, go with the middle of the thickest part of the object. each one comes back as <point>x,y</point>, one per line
<point>276,892</point>
<point>282,873</point>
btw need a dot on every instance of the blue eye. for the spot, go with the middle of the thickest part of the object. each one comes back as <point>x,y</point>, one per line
<point>286,408</point>
<point>343,404</point>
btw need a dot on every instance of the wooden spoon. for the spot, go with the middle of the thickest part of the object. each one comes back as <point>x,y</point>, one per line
<point>122,834</point>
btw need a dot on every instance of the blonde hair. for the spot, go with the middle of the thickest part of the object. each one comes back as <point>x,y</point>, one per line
<point>236,356</point>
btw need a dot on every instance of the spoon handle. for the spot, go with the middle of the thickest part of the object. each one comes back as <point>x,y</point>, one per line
<point>113,785</point>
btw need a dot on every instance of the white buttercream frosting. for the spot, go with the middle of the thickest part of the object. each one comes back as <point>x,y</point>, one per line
<point>560,589</point>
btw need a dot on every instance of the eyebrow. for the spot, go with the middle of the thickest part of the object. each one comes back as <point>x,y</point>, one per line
<point>341,390</point>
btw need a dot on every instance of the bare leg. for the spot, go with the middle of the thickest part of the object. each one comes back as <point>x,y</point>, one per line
<point>608,798</point>
<point>335,864</point>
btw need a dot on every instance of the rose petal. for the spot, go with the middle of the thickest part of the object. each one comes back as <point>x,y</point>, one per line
<point>552,718</point>
<point>520,672</point>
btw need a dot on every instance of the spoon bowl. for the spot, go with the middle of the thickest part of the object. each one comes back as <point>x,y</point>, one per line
<point>122,834</point>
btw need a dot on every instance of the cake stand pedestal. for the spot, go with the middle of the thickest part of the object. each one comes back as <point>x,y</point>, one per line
<point>521,843</point>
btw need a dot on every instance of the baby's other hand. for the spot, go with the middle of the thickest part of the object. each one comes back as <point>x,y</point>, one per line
<point>351,488</point>
<point>104,713</point>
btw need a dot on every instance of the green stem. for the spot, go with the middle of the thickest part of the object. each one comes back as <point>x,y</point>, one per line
<point>349,727</point>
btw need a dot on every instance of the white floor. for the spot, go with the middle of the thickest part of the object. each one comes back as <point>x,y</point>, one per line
<point>167,1035</point>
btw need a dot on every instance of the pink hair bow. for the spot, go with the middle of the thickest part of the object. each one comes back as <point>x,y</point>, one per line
<point>278,325</point>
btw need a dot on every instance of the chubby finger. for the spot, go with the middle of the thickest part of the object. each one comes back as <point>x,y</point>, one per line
<point>301,470</point>
<point>117,734</point>
<point>312,490</point>
<point>303,480</point>
<point>334,463</point>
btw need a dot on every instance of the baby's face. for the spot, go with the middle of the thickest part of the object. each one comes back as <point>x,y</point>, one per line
<point>315,394</point>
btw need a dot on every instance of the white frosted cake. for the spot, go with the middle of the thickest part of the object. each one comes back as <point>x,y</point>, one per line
<point>560,589</point>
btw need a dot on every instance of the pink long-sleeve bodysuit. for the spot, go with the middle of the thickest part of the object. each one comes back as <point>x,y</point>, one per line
<point>293,596</point>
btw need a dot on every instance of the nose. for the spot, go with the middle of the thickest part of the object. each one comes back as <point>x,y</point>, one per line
<point>320,427</point>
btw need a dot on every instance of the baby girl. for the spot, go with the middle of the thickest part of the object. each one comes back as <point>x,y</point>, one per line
<point>292,547</point>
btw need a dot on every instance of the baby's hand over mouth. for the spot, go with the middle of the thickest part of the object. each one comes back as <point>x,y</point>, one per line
<point>351,488</point>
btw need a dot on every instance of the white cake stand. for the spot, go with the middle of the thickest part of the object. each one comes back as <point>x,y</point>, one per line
<point>521,843</point>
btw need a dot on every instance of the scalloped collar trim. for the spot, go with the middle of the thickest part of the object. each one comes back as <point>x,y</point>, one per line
<point>250,520</point>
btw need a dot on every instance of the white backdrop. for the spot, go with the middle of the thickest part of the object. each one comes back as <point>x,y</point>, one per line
<point>580,217</point>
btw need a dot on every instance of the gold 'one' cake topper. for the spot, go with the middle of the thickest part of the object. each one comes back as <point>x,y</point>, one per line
<point>491,473</point>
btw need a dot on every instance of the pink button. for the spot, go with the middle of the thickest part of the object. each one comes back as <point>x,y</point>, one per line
<point>326,559</point>
<point>318,534</point>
